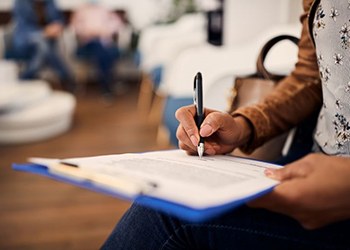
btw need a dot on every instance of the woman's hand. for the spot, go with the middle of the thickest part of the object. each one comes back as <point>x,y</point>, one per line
<point>222,133</point>
<point>314,190</point>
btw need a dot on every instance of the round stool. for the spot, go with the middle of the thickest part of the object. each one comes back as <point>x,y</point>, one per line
<point>8,72</point>
<point>22,94</point>
<point>42,119</point>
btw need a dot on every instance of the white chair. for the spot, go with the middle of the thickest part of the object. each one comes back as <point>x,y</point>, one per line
<point>215,62</point>
<point>159,45</point>
<point>245,20</point>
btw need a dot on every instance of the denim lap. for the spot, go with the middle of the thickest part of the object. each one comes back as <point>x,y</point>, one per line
<point>243,228</point>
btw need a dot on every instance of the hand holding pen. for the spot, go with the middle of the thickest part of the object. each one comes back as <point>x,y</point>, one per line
<point>221,132</point>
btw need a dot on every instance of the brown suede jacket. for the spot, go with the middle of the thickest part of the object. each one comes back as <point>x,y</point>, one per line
<point>296,97</point>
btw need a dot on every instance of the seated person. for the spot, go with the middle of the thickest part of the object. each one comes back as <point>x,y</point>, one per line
<point>314,190</point>
<point>38,25</point>
<point>96,29</point>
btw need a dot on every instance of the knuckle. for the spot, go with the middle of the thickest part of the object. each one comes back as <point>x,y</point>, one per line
<point>181,145</point>
<point>214,118</point>
<point>181,135</point>
<point>191,131</point>
<point>181,112</point>
<point>178,113</point>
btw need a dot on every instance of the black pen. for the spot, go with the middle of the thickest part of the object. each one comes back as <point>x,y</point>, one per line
<point>198,102</point>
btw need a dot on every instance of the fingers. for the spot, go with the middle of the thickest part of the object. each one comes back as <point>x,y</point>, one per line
<point>287,192</point>
<point>185,142</point>
<point>297,169</point>
<point>187,131</point>
<point>289,199</point>
<point>216,129</point>
<point>286,198</point>
<point>286,173</point>
<point>188,150</point>
<point>210,125</point>
<point>303,193</point>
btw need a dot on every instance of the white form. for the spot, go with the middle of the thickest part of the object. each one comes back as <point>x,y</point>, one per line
<point>180,178</point>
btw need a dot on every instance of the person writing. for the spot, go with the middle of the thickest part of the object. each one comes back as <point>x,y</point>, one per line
<point>310,208</point>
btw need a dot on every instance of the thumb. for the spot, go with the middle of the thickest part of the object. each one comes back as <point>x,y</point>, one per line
<point>212,123</point>
<point>294,170</point>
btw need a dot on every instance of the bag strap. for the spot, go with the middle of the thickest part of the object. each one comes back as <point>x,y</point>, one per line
<point>261,70</point>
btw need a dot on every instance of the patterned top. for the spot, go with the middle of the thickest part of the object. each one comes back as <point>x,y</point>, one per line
<point>331,32</point>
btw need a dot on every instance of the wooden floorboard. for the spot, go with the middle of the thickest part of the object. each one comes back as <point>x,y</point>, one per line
<point>38,213</point>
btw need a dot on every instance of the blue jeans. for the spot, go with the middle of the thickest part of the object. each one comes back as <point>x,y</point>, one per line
<point>43,52</point>
<point>242,228</point>
<point>104,57</point>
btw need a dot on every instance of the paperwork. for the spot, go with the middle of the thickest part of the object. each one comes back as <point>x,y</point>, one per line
<point>171,176</point>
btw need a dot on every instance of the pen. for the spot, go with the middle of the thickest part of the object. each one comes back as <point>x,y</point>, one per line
<point>198,102</point>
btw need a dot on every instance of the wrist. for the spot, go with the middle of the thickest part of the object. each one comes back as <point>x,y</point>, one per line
<point>245,129</point>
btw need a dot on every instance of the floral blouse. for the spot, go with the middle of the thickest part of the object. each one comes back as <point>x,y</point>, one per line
<point>320,80</point>
<point>331,33</point>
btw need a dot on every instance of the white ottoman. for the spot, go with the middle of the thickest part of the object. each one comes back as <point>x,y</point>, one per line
<point>18,95</point>
<point>43,118</point>
<point>8,72</point>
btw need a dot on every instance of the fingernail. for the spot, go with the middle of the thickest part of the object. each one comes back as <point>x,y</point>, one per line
<point>194,140</point>
<point>269,172</point>
<point>206,130</point>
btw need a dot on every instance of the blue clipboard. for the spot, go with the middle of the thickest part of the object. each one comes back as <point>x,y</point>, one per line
<point>174,209</point>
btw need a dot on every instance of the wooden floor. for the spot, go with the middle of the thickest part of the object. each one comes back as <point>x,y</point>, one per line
<point>38,213</point>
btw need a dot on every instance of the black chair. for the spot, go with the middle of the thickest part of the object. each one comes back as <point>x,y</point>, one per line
<point>302,142</point>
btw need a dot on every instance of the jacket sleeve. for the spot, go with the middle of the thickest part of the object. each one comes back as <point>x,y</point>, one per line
<point>296,97</point>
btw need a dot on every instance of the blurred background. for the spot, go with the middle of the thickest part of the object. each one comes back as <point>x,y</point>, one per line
<point>89,77</point>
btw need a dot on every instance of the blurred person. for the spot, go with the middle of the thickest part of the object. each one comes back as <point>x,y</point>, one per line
<point>38,26</point>
<point>97,31</point>
<point>310,208</point>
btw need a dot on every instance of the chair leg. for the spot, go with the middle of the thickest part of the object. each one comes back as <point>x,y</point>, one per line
<point>145,96</point>
<point>162,138</point>
<point>156,110</point>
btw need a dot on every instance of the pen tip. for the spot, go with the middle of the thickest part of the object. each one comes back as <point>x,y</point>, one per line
<point>200,150</point>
